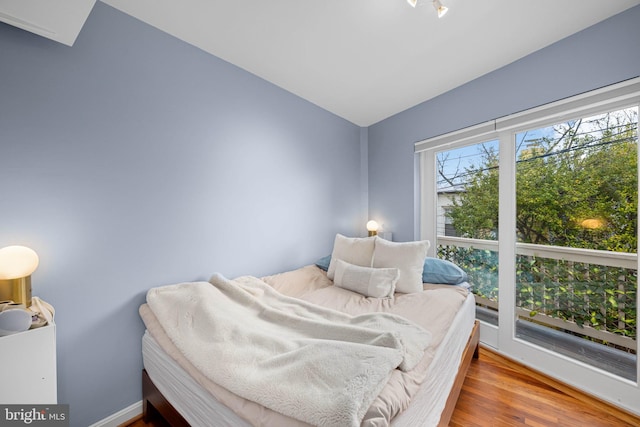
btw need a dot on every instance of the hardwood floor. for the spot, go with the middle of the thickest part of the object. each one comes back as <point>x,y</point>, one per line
<point>497,392</point>
<point>500,393</point>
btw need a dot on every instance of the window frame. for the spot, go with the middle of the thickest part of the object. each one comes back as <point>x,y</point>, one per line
<point>502,338</point>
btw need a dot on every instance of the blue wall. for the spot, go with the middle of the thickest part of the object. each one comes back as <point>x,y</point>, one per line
<point>134,160</point>
<point>606,53</point>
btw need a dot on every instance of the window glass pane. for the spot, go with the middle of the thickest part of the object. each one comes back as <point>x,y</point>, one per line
<point>576,219</point>
<point>468,191</point>
<point>467,218</point>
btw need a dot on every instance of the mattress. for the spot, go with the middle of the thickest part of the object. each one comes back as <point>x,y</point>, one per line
<point>198,406</point>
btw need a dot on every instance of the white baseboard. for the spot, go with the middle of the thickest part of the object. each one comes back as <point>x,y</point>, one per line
<point>121,416</point>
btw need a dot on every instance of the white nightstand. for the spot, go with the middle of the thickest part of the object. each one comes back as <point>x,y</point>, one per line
<point>28,367</point>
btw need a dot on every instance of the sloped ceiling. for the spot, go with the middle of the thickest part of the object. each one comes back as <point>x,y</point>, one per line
<point>363,60</point>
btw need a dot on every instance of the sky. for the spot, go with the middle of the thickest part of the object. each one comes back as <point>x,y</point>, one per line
<point>457,161</point>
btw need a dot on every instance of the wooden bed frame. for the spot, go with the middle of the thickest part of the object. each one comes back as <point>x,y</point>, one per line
<point>155,405</point>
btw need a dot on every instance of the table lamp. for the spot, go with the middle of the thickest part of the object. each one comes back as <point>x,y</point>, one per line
<point>16,265</point>
<point>372,228</point>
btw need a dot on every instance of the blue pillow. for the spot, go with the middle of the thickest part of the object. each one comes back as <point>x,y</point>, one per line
<point>438,270</point>
<point>323,262</point>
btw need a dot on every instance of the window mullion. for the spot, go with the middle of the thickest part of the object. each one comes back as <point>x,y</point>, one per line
<point>429,199</point>
<point>506,240</point>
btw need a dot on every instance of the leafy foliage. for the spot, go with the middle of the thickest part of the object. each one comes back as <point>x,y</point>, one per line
<point>601,297</point>
<point>586,294</point>
<point>474,212</point>
<point>575,176</point>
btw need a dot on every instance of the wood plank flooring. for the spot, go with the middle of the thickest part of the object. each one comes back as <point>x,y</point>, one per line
<point>500,393</point>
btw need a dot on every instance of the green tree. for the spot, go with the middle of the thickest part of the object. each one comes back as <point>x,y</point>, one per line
<point>475,210</point>
<point>576,186</point>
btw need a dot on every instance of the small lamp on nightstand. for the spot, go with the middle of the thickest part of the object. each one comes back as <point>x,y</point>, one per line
<point>372,227</point>
<point>16,265</point>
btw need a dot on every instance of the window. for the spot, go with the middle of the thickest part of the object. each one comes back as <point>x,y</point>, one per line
<point>577,212</point>
<point>449,228</point>
<point>541,209</point>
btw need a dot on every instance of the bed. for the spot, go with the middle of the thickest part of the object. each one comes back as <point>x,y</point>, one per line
<point>184,387</point>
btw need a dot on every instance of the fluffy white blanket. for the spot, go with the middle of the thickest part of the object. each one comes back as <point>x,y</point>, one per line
<point>317,365</point>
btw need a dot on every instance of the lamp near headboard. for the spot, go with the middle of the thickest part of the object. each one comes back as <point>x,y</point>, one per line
<point>372,227</point>
<point>16,265</point>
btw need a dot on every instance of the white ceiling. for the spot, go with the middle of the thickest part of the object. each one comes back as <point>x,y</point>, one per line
<point>364,60</point>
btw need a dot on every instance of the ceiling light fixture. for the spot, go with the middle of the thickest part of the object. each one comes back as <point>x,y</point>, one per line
<point>440,8</point>
<point>437,4</point>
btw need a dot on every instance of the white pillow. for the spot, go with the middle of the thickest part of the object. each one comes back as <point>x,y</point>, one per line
<point>408,257</point>
<point>370,282</point>
<point>354,250</point>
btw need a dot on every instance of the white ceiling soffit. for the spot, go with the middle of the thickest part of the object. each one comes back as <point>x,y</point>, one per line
<point>59,20</point>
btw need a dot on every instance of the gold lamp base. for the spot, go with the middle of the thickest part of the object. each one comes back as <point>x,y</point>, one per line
<point>16,290</point>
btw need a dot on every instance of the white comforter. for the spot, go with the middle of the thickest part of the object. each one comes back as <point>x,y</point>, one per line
<point>311,363</point>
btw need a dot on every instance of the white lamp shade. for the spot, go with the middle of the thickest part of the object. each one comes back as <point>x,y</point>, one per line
<point>372,226</point>
<point>17,262</point>
<point>412,2</point>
